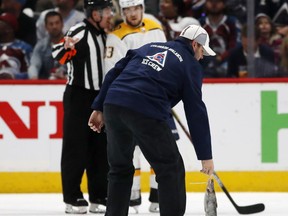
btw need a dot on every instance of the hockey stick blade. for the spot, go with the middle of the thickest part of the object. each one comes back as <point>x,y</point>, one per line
<point>251,209</point>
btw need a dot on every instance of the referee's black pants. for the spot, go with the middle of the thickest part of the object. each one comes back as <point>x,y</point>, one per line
<point>159,147</point>
<point>83,149</point>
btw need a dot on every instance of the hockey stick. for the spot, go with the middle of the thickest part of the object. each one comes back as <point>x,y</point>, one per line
<point>251,209</point>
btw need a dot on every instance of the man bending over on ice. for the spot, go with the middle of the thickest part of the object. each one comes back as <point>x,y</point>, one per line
<point>134,32</point>
<point>136,100</point>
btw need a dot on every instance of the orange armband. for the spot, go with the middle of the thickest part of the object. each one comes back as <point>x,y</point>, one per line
<point>67,56</point>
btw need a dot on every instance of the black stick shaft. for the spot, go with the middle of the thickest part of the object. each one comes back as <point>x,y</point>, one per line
<point>181,125</point>
<point>224,188</point>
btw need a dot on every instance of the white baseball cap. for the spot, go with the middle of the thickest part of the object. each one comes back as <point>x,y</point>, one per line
<point>200,35</point>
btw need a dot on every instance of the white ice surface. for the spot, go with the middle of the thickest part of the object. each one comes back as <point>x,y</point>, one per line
<point>276,204</point>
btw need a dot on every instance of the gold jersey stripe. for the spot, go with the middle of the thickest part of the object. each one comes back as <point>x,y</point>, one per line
<point>122,30</point>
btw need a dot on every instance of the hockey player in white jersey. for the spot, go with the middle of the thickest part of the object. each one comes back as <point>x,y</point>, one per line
<point>135,31</point>
<point>132,33</point>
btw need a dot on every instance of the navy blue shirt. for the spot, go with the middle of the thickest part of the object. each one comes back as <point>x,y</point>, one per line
<point>152,79</point>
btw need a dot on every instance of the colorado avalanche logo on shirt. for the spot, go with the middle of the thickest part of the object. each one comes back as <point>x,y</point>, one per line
<point>159,58</point>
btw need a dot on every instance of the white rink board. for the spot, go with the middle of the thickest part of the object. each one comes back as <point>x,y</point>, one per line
<point>235,120</point>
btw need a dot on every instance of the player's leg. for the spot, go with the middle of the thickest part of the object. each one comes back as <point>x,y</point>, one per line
<point>153,196</point>
<point>135,199</point>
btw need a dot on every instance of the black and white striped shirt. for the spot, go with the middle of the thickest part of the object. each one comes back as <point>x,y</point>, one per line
<point>85,62</point>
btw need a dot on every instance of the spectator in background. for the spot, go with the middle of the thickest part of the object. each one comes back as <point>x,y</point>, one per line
<point>224,33</point>
<point>284,57</point>
<point>14,54</point>
<point>277,10</point>
<point>27,27</point>
<point>264,58</point>
<point>70,16</point>
<point>171,18</point>
<point>268,34</point>
<point>43,65</point>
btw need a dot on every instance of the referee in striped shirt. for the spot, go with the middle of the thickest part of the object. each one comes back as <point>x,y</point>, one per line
<point>82,49</point>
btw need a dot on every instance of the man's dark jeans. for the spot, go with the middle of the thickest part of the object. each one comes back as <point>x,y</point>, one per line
<point>124,128</point>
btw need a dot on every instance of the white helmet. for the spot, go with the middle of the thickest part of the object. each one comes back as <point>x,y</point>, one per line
<point>130,3</point>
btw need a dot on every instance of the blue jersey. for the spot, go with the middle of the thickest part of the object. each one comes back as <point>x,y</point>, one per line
<point>152,79</point>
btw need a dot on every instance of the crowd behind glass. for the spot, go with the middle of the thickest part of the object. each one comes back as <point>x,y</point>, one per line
<point>27,34</point>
